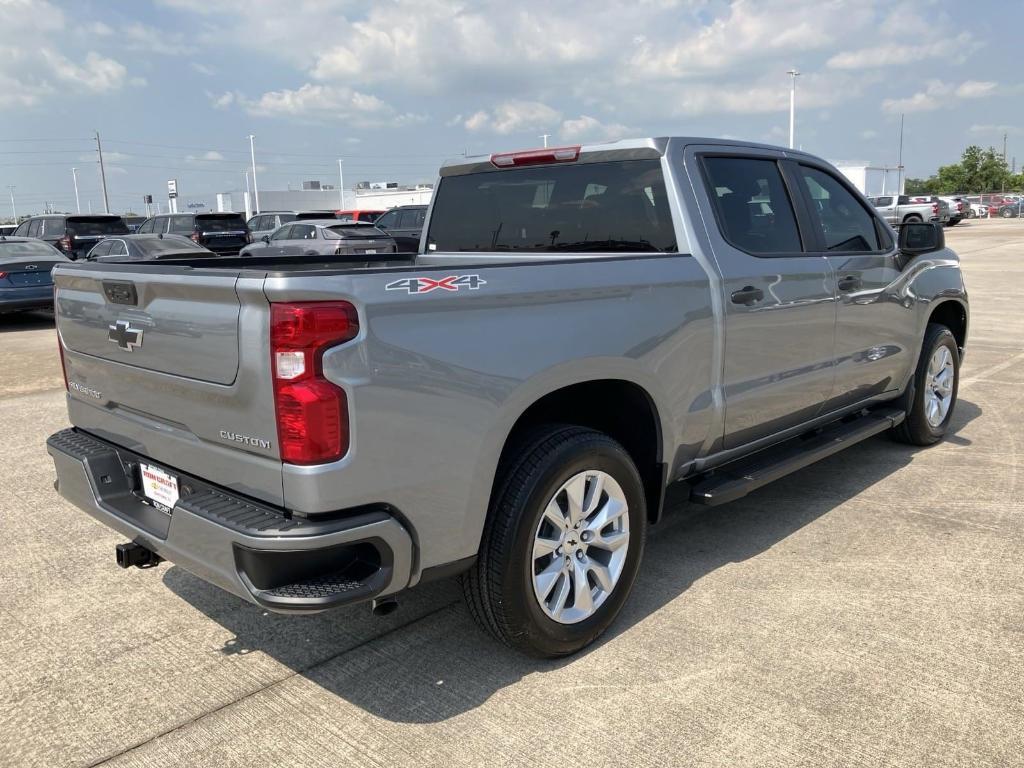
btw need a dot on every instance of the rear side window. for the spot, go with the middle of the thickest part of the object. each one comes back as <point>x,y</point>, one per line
<point>53,227</point>
<point>846,225</point>
<point>83,225</point>
<point>881,201</point>
<point>753,208</point>
<point>34,228</point>
<point>181,225</point>
<point>411,219</point>
<point>302,232</point>
<point>579,208</point>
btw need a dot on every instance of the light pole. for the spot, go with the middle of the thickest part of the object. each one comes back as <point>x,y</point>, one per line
<point>74,177</point>
<point>544,136</point>
<point>341,183</point>
<point>255,188</point>
<point>14,208</point>
<point>248,198</point>
<point>103,175</point>
<point>793,74</point>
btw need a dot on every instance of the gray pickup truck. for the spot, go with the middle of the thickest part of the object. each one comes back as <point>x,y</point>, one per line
<point>581,328</point>
<point>898,210</point>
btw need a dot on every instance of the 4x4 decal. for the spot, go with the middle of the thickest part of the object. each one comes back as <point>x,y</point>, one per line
<point>428,284</point>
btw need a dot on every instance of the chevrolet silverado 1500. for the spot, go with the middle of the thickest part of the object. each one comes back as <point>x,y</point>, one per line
<point>581,327</point>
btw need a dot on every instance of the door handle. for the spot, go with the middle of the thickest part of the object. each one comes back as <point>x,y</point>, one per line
<point>747,295</point>
<point>849,283</point>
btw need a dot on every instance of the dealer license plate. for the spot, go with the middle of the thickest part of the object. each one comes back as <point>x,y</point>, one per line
<point>159,487</point>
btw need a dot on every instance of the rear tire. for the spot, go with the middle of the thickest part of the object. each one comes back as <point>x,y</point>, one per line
<point>931,395</point>
<point>912,219</point>
<point>543,584</point>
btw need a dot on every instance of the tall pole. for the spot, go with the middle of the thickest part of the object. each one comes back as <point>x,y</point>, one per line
<point>1004,149</point>
<point>793,75</point>
<point>74,176</point>
<point>248,197</point>
<point>899,161</point>
<point>103,175</point>
<point>255,188</point>
<point>14,208</point>
<point>341,183</point>
<point>545,136</point>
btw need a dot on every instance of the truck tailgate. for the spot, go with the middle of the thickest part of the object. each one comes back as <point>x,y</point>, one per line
<point>141,321</point>
<point>152,361</point>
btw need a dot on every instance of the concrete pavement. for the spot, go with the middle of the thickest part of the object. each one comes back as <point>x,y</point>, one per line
<point>866,611</point>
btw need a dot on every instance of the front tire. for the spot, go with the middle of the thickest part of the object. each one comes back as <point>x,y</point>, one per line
<point>563,542</point>
<point>931,395</point>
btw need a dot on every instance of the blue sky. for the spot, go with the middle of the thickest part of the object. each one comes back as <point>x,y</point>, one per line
<point>396,86</point>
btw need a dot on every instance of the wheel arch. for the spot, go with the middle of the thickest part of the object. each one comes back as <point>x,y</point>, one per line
<point>952,314</point>
<point>620,408</point>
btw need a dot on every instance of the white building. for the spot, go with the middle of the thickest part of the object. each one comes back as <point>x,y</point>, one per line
<point>873,180</point>
<point>304,200</point>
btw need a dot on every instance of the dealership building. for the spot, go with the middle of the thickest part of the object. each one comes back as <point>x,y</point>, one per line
<point>313,196</point>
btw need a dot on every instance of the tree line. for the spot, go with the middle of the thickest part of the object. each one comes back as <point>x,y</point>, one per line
<point>979,170</point>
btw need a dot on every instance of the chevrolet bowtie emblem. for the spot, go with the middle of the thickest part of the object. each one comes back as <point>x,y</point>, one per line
<point>126,337</point>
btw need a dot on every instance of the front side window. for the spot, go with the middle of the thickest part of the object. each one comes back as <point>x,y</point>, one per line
<point>753,208</point>
<point>846,225</point>
<point>617,206</point>
<point>282,233</point>
<point>881,202</point>
<point>388,220</point>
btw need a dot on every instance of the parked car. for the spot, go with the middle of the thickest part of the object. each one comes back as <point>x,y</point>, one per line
<point>72,234</point>
<point>222,233</point>
<point>359,215</point>
<point>327,237</point>
<point>1010,210</point>
<point>898,210</point>
<point>980,210</point>
<point>7,229</point>
<point>265,222</point>
<point>25,266</point>
<point>405,224</point>
<point>146,248</point>
<point>512,403</point>
<point>134,222</point>
<point>959,209</point>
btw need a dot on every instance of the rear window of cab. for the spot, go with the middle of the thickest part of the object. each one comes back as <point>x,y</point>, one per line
<point>618,206</point>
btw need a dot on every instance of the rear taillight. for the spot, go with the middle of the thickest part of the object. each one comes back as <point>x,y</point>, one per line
<point>536,157</point>
<point>65,244</point>
<point>196,237</point>
<point>312,412</point>
<point>935,209</point>
<point>3,275</point>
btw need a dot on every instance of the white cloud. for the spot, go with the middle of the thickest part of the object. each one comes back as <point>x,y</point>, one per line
<point>210,155</point>
<point>587,128</point>
<point>939,94</point>
<point>1012,130</point>
<point>202,69</point>
<point>139,37</point>
<point>896,53</point>
<point>97,73</point>
<point>515,116</point>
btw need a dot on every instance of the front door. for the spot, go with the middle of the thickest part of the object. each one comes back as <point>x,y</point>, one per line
<point>779,299</point>
<point>875,339</point>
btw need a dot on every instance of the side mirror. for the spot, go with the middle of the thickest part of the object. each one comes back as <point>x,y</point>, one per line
<point>921,237</point>
<point>266,239</point>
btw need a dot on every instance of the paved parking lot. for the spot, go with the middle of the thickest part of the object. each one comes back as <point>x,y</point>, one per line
<point>868,610</point>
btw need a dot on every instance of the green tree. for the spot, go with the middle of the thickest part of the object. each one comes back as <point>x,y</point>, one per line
<point>979,170</point>
<point>920,186</point>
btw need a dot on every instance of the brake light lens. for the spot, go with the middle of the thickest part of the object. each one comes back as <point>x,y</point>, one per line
<point>65,243</point>
<point>935,208</point>
<point>312,412</point>
<point>536,157</point>
<point>195,237</point>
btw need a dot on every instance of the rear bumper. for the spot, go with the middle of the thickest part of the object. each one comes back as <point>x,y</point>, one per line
<point>30,297</point>
<point>285,564</point>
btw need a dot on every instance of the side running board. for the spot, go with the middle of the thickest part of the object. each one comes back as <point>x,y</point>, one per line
<point>735,480</point>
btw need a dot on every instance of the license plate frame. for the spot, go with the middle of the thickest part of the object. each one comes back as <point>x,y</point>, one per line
<point>159,487</point>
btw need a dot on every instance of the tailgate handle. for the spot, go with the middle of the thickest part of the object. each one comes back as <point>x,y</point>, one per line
<point>120,293</point>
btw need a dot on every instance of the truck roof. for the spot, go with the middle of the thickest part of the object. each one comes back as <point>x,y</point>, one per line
<point>622,149</point>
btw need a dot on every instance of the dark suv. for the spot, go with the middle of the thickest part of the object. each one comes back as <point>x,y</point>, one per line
<point>404,224</point>
<point>72,234</point>
<point>222,233</point>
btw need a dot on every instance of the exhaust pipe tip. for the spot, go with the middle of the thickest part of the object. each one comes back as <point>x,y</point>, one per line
<point>384,606</point>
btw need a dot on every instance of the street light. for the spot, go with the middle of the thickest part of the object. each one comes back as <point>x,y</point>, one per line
<point>14,208</point>
<point>341,183</point>
<point>793,74</point>
<point>74,176</point>
<point>255,188</point>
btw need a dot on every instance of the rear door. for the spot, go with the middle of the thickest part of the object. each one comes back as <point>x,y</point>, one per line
<point>779,299</point>
<point>298,241</point>
<point>875,340</point>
